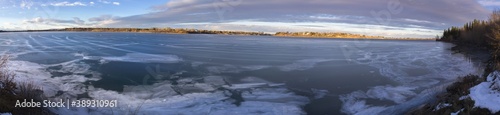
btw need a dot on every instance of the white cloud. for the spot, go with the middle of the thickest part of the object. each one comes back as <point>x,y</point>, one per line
<point>415,17</point>
<point>65,3</point>
<point>419,16</point>
<point>489,2</point>
<point>26,4</point>
<point>417,21</point>
<point>100,21</point>
<point>104,1</point>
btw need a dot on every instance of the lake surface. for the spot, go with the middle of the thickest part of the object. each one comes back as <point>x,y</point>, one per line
<point>220,74</point>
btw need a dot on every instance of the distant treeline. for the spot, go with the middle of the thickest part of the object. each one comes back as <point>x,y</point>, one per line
<point>478,33</point>
<point>198,31</point>
<point>167,30</point>
<point>324,35</point>
<point>31,30</point>
<point>342,35</point>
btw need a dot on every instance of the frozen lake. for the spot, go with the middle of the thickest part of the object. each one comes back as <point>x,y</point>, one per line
<point>219,74</point>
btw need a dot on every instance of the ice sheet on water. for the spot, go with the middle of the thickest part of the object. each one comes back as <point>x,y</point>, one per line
<point>161,97</point>
<point>246,86</point>
<point>256,67</point>
<point>262,100</point>
<point>139,58</point>
<point>356,102</point>
<point>27,71</point>
<point>396,94</point>
<point>228,68</point>
<point>38,74</point>
<point>196,64</point>
<point>259,101</point>
<point>214,80</point>
<point>319,93</point>
<point>254,80</point>
<point>302,64</point>
<point>432,69</point>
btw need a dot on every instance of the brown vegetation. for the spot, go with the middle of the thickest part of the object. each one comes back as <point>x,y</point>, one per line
<point>324,35</point>
<point>11,91</point>
<point>166,30</point>
<point>341,35</point>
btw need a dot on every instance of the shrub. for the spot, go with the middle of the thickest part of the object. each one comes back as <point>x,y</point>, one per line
<point>11,91</point>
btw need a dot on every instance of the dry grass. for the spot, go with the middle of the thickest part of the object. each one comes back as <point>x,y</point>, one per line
<point>6,78</point>
<point>11,91</point>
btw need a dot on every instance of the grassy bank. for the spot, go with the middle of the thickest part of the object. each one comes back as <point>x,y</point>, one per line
<point>11,92</point>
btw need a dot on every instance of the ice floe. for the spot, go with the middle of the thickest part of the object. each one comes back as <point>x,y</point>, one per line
<point>319,93</point>
<point>302,64</point>
<point>417,75</point>
<point>255,96</point>
<point>139,58</point>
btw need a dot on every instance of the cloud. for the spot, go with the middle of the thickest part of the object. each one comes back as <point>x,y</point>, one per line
<point>99,21</point>
<point>26,4</point>
<point>441,11</point>
<point>104,1</point>
<point>425,14</point>
<point>65,3</point>
<point>385,15</point>
<point>102,18</point>
<point>78,21</point>
<point>489,2</point>
<point>39,20</point>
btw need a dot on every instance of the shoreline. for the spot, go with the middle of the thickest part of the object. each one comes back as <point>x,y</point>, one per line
<point>280,36</point>
<point>456,97</point>
<point>308,37</point>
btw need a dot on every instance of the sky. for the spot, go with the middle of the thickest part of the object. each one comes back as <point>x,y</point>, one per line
<point>392,18</point>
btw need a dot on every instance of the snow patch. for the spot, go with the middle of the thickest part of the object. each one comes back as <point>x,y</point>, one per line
<point>463,97</point>
<point>441,105</point>
<point>456,113</point>
<point>487,94</point>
